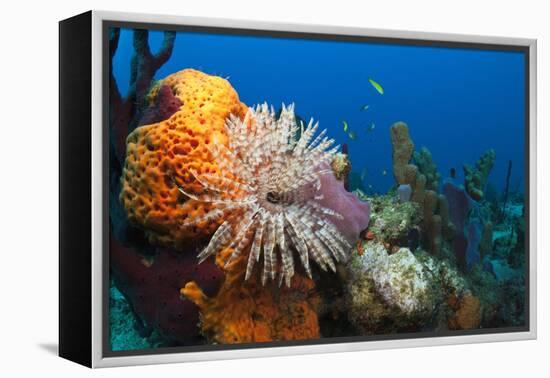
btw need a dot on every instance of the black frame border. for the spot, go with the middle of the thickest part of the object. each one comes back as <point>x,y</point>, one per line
<point>75,189</point>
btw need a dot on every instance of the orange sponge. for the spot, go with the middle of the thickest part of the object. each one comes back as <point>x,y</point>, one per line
<point>160,157</point>
<point>468,312</point>
<point>247,311</point>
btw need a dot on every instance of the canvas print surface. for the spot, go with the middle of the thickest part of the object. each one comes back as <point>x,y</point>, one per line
<point>287,189</point>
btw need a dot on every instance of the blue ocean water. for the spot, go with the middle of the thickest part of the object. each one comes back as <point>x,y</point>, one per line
<point>457,102</point>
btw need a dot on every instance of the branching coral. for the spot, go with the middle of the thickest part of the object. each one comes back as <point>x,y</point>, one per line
<point>424,182</point>
<point>272,180</point>
<point>426,166</point>
<point>475,179</point>
<point>126,111</point>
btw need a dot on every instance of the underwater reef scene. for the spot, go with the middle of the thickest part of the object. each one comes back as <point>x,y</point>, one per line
<point>241,217</point>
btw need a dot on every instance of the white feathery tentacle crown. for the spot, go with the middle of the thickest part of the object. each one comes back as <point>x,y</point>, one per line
<point>270,177</point>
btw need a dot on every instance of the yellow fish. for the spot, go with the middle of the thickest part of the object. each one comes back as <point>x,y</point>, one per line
<point>376,86</point>
<point>384,172</point>
<point>365,107</point>
<point>352,135</point>
<point>346,126</point>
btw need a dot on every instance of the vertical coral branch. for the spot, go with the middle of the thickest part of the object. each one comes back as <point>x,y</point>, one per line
<point>126,111</point>
<point>114,94</point>
<point>145,65</point>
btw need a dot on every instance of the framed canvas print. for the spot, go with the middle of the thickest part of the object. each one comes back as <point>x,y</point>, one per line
<point>232,189</point>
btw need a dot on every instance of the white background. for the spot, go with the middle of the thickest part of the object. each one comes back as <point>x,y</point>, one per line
<point>29,189</point>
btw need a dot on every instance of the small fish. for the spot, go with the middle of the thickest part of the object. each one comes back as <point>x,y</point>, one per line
<point>363,174</point>
<point>352,135</point>
<point>346,126</point>
<point>376,86</point>
<point>384,172</point>
<point>365,107</point>
<point>371,127</point>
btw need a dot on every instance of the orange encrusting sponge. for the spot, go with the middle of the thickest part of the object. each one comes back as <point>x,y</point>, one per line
<point>468,312</point>
<point>247,311</point>
<point>161,155</point>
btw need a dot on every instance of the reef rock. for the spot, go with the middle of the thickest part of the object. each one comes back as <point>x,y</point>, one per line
<point>395,291</point>
<point>392,220</point>
<point>400,291</point>
<point>399,278</point>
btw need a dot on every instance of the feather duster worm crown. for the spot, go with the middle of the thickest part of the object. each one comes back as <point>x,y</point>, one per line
<point>268,195</point>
